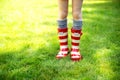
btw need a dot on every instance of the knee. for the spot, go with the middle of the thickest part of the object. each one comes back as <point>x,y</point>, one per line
<point>63,15</point>
<point>77,15</point>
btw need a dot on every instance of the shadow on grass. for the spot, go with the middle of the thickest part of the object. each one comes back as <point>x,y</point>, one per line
<point>25,64</point>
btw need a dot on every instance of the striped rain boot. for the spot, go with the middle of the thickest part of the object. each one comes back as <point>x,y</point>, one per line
<point>63,39</point>
<point>75,52</point>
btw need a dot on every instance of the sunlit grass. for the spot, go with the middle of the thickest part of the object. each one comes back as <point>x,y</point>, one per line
<point>104,68</point>
<point>96,1</point>
<point>29,42</point>
<point>25,21</point>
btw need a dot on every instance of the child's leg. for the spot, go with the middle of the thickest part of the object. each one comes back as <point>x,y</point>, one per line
<point>77,13</point>
<point>62,28</point>
<point>63,12</point>
<point>63,9</point>
<point>76,29</point>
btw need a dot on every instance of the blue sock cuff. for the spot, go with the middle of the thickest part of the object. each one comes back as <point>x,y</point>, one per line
<point>62,23</point>
<point>77,24</point>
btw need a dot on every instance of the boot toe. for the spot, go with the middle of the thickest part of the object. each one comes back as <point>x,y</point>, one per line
<point>75,57</point>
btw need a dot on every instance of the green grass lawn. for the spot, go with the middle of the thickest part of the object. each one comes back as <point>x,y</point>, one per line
<point>29,41</point>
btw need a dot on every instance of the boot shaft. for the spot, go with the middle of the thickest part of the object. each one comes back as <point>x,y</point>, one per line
<point>63,38</point>
<point>75,36</point>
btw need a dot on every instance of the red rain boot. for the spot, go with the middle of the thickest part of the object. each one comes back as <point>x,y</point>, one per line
<point>63,39</point>
<point>75,52</point>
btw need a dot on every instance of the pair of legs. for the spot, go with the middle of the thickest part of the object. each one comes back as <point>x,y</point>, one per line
<point>76,9</point>
<point>76,29</point>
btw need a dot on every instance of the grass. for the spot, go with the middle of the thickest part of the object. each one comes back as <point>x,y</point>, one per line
<point>29,42</point>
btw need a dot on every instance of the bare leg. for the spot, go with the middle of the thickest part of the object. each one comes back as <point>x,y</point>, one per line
<point>63,9</point>
<point>76,9</point>
<point>63,12</point>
